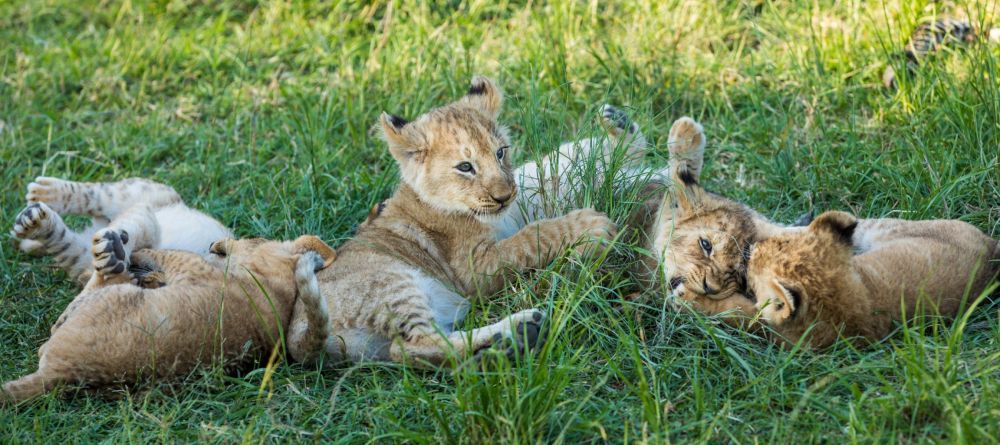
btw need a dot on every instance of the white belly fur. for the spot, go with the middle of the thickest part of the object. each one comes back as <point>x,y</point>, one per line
<point>183,228</point>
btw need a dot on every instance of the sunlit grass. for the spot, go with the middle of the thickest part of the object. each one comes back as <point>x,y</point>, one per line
<point>260,113</point>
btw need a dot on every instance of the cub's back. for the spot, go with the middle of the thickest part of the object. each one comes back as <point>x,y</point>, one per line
<point>936,258</point>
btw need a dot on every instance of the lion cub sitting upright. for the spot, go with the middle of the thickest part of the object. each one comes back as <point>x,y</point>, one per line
<point>399,287</point>
<point>230,306</point>
<point>853,278</point>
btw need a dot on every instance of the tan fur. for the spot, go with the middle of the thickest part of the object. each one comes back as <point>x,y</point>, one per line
<point>709,280</point>
<point>399,287</point>
<point>200,311</point>
<point>853,278</point>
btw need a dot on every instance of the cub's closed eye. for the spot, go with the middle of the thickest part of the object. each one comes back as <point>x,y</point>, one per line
<point>465,167</point>
<point>705,245</point>
<point>501,152</point>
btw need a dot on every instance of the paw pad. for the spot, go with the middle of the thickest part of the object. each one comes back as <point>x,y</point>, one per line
<point>29,224</point>
<point>109,252</point>
<point>616,117</point>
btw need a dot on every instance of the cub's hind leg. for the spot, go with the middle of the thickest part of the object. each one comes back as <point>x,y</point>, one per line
<point>41,226</point>
<point>99,199</point>
<point>425,345</point>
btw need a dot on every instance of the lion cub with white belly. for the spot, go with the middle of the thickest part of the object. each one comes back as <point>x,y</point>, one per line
<point>230,307</point>
<point>853,278</point>
<point>399,286</point>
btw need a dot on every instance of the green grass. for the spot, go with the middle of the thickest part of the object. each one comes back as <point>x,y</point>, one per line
<point>260,114</point>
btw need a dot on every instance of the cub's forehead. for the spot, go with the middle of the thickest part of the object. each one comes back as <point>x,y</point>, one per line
<point>461,126</point>
<point>718,224</point>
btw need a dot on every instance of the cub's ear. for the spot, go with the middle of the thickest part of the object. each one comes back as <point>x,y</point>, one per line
<point>689,194</point>
<point>840,225</point>
<point>307,243</point>
<point>403,138</point>
<point>485,96</point>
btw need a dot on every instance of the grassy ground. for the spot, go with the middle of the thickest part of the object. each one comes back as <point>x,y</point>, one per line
<point>260,113</point>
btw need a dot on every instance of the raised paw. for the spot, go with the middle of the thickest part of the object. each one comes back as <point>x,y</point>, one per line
<point>592,226</point>
<point>616,121</point>
<point>34,222</point>
<point>110,257</point>
<point>53,191</point>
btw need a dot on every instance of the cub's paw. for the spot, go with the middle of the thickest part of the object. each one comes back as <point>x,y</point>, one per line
<point>53,191</point>
<point>110,257</point>
<point>525,335</point>
<point>595,228</point>
<point>35,222</point>
<point>616,122</point>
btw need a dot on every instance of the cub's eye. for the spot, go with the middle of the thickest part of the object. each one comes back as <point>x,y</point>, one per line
<point>501,152</point>
<point>465,167</point>
<point>706,246</point>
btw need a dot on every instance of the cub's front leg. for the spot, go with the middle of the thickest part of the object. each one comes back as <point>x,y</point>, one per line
<point>538,243</point>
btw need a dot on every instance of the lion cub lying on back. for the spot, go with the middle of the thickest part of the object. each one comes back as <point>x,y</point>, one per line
<point>187,310</point>
<point>853,277</point>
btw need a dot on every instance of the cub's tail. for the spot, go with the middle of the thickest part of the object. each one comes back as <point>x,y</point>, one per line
<point>29,386</point>
<point>310,321</point>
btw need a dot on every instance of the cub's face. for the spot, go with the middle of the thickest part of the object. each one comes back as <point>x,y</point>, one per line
<point>707,244</point>
<point>792,272</point>
<point>457,157</point>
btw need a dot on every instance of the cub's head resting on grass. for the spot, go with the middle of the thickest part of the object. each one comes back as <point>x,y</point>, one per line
<point>457,157</point>
<point>711,235</point>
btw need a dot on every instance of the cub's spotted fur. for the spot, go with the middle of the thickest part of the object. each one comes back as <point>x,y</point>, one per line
<point>853,278</point>
<point>229,307</point>
<point>126,216</point>
<point>399,287</point>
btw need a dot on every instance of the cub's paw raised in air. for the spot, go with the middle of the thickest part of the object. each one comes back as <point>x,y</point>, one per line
<point>53,191</point>
<point>616,122</point>
<point>592,227</point>
<point>525,336</point>
<point>35,222</point>
<point>110,257</point>
<point>687,147</point>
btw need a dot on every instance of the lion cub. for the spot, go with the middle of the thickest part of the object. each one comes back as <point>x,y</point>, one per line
<point>853,278</point>
<point>127,215</point>
<point>399,287</point>
<point>230,307</point>
<point>702,239</point>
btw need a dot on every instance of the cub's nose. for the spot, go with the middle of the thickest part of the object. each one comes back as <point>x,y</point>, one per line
<point>708,289</point>
<point>502,199</point>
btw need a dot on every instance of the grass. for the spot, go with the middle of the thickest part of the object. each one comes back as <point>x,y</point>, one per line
<point>259,113</point>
